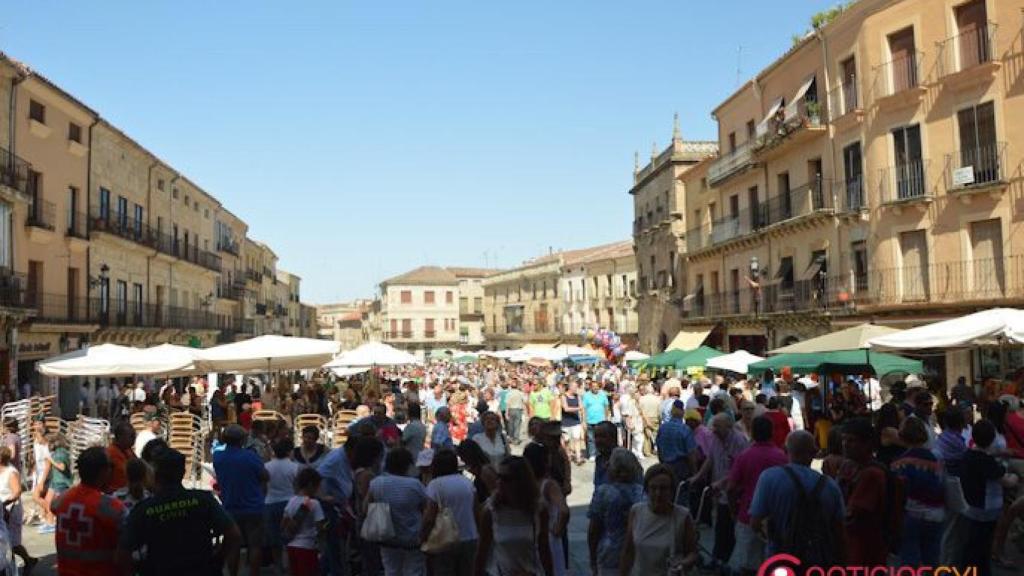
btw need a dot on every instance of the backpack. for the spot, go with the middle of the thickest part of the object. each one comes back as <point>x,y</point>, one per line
<point>810,534</point>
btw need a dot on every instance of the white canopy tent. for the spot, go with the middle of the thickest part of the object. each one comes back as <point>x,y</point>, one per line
<point>269,353</point>
<point>997,325</point>
<point>373,354</point>
<point>737,362</point>
<point>346,372</point>
<point>113,360</point>
<point>632,355</point>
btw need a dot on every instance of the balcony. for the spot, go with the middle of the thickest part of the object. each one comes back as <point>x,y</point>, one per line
<point>850,195</point>
<point>844,105</point>
<point>978,169</point>
<point>254,275</point>
<point>731,164</point>
<point>403,335</point>
<point>78,225</point>
<point>898,82</point>
<point>967,59</point>
<point>799,122</point>
<point>800,202</point>
<point>62,308</point>
<point>14,175</point>
<point>817,294</point>
<point>12,289</point>
<point>139,232</point>
<point>229,246</point>
<point>429,333</point>
<point>906,183</point>
<point>229,291</point>
<point>133,314</point>
<point>41,214</point>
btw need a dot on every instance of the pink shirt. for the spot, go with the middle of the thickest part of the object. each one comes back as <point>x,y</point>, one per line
<point>748,468</point>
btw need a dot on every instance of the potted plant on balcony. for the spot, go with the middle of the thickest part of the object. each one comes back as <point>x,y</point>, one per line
<point>813,112</point>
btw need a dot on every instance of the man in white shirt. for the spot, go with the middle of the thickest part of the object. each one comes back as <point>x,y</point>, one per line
<point>139,393</point>
<point>149,432</point>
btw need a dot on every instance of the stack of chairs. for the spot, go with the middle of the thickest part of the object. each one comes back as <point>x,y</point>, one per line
<point>85,432</point>
<point>21,412</point>
<point>55,425</point>
<point>342,419</point>
<point>304,420</point>
<point>268,416</point>
<point>138,421</point>
<point>186,433</point>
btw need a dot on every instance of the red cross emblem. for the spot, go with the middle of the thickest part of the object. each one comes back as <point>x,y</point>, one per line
<point>75,525</point>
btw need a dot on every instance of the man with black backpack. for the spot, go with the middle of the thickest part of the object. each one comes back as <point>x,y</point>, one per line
<point>798,509</point>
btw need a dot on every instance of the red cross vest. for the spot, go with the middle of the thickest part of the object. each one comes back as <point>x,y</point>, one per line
<point>88,522</point>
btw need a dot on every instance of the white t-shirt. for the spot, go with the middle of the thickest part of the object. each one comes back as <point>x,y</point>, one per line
<point>281,485</point>
<point>455,492</point>
<point>305,536</point>
<point>139,394</point>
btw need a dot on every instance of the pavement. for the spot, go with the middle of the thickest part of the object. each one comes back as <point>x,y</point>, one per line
<point>42,546</point>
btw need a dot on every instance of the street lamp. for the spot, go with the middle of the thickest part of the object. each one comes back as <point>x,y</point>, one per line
<point>104,274</point>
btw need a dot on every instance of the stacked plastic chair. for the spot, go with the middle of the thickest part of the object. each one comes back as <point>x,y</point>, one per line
<point>86,432</point>
<point>304,420</point>
<point>268,416</point>
<point>186,433</point>
<point>342,420</point>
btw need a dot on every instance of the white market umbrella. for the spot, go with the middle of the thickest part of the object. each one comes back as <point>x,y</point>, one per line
<point>635,355</point>
<point>269,353</point>
<point>737,362</point>
<point>112,360</point>
<point>373,354</point>
<point>346,372</point>
<point>981,328</point>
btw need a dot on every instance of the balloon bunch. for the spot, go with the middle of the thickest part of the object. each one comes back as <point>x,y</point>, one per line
<point>605,340</point>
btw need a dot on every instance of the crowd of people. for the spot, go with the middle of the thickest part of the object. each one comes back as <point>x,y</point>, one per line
<point>468,470</point>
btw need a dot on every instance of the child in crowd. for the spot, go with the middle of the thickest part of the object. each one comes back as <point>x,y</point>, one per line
<point>138,478</point>
<point>303,523</point>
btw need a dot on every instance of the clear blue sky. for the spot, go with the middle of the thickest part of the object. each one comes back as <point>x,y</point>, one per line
<point>362,139</point>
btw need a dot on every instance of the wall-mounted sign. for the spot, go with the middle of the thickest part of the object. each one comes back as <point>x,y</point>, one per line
<point>963,176</point>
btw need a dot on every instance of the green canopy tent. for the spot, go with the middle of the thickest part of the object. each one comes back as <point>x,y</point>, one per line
<point>840,361</point>
<point>697,358</point>
<point>467,359</point>
<point>666,359</point>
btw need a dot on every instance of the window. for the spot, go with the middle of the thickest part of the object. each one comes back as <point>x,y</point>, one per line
<point>853,173</point>
<point>732,142</point>
<point>751,130</point>
<point>860,265</point>
<point>174,193</point>
<point>785,198</point>
<point>909,169</point>
<point>848,81</point>
<point>904,60</point>
<point>785,275</point>
<point>394,327</point>
<point>160,184</point>
<point>138,221</point>
<point>734,206</point>
<point>988,273</point>
<point>405,296</point>
<point>187,200</point>
<point>34,281</point>
<point>406,328</point>
<point>428,328</point>
<point>972,25</point>
<point>122,213</point>
<point>428,297</point>
<point>36,111</point>
<point>74,132</point>
<point>754,201</point>
<point>137,300</point>
<point>979,150</point>
<point>478,305</point>
<point>122,299</point>
<point>104,204</point>
<point>914,254</point>
<point>207,213</point>
<point>73,222</point>
<point>449,297</point>
<point>105,296</point>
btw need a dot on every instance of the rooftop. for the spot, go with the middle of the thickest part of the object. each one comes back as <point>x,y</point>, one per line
<point>424,276</point>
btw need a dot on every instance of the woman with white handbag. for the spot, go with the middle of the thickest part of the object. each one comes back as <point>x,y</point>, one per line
<point>449,532</point>
<point>394,516</point>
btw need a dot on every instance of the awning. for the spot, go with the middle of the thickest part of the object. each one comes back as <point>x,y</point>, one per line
<point>814,268</point>
<point>803,89</point>
<point>762,128</point>
<point>690,338</point>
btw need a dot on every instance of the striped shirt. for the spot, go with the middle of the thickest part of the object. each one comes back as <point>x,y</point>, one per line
<point>406,497</point>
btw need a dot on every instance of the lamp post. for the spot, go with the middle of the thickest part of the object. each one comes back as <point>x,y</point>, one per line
<point>102,283</point>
